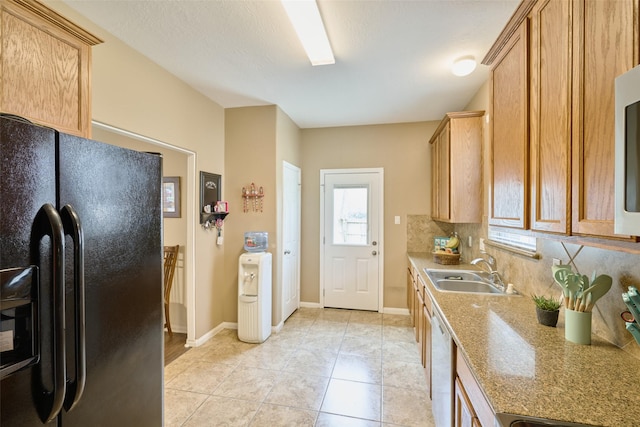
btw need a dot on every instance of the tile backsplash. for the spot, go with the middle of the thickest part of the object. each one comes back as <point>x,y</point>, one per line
<point>534,275</point>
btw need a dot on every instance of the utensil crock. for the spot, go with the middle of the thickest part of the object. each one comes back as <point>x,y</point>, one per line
<point>577,326</point>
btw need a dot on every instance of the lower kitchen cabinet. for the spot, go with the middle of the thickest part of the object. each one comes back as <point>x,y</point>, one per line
<point>464,416</point>
<point>420,307</point>
<point>471,408</point>
<point>411,294</point>
<point>419,314</point>
<point>425,349</point>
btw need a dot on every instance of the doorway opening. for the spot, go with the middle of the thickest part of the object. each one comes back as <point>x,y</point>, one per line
<point>113,135</point>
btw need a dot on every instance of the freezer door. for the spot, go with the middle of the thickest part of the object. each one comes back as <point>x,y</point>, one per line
<point>116,193</point>
<point>27,182</point>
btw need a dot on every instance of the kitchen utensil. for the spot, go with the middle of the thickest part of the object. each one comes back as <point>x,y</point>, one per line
<point>562,267</point>
<point>581,297</point>
<point>574,287</point>
<point>568,285</point>
<point>599,287</point>
<point>560,275</point>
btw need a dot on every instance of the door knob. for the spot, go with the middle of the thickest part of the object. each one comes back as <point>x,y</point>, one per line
<point>374,253</point>
<point>374,243</point>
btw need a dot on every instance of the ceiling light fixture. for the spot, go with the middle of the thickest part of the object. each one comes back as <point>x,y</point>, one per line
<point>306,20</point>
<point>464,66</point>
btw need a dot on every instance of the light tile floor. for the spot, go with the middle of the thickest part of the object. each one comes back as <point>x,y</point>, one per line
<point>325,368</point>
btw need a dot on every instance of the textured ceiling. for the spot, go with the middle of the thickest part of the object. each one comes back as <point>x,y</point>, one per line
<point>393,58</point>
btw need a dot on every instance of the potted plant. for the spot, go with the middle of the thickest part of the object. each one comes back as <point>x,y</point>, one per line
<point>547,309</point>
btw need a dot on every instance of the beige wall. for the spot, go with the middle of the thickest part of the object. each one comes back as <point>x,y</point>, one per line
<point>132,93</point>
<point>250,154</point>
<point>258,140</point>
<point>402,150</point>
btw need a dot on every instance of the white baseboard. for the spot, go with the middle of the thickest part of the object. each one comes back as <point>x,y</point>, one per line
<point>275,329</point>
<point>310,304</point>
<point>206,337</point>
<point>394,310</point>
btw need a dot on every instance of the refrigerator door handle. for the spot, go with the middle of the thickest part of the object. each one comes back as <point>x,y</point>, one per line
<point>73,227</point>
<point>49,403</point>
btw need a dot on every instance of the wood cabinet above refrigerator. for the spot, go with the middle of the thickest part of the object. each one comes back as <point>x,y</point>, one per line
<point>46,67</point>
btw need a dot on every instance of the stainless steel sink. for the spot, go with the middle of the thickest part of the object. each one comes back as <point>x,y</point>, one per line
<point>466,286</point>
<point>467,281</point>
<point>437,274</point>
<point>509,420</point>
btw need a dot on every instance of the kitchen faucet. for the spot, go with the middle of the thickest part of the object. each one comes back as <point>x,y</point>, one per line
<point>496,279</point>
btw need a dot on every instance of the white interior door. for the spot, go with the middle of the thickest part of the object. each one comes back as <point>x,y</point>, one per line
<point>292,182</point>
<point>351,250</point>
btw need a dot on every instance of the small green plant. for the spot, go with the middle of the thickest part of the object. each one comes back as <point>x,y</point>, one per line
<point>546,303</point>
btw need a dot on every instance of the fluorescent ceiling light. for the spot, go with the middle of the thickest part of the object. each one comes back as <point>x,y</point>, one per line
<point>464,66</point>
<point>306,20</point>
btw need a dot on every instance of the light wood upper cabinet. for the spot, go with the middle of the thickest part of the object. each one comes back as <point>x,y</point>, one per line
<point>509,149</point>
<point>46,66</point>
<point>550,116</point>
<point>606,44</point>
<point>562,136</point>
<point>456,162</point>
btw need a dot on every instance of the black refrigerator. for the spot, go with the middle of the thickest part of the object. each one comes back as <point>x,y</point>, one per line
<point>81,330</point>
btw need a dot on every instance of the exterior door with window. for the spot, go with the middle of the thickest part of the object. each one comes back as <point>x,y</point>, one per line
<point>351,247</point>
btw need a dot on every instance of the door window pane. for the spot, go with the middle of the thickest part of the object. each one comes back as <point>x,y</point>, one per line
<point>350,215</point>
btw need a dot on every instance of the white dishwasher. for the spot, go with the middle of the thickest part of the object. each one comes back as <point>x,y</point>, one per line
<point>441,372</point>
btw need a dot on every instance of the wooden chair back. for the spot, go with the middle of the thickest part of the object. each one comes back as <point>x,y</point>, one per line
<point>170,261</point>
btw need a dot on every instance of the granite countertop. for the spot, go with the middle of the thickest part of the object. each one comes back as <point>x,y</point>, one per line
<point>529,369</point>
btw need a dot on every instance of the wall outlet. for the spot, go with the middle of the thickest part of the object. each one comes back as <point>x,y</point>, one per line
<point>470,242</point>
<point>481,244</point>
<point>556,261</point>
<point>396,219</point>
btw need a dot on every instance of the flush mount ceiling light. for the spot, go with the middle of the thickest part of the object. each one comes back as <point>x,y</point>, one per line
<point>306,20</point>
<point>464,66</point>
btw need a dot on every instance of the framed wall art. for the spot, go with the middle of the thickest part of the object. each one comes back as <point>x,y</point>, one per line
<point>171,197</point>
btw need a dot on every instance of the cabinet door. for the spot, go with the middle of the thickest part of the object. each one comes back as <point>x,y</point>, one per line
<point>46,64</point>
<point>443,173</point>
<point>419,317</point>
<point>508,198</point>
<point>465,170</point>
<point>464,414</point>
<point>605,46</point>
<point>550,116</point>
<point>426,344</point>
<point>435,176</point>
<point>411,294</point>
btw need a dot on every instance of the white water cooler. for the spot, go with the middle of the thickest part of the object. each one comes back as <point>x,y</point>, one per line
<point>254,297</point>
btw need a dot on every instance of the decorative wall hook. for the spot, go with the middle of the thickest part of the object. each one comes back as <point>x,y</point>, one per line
<point>252,198</point>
